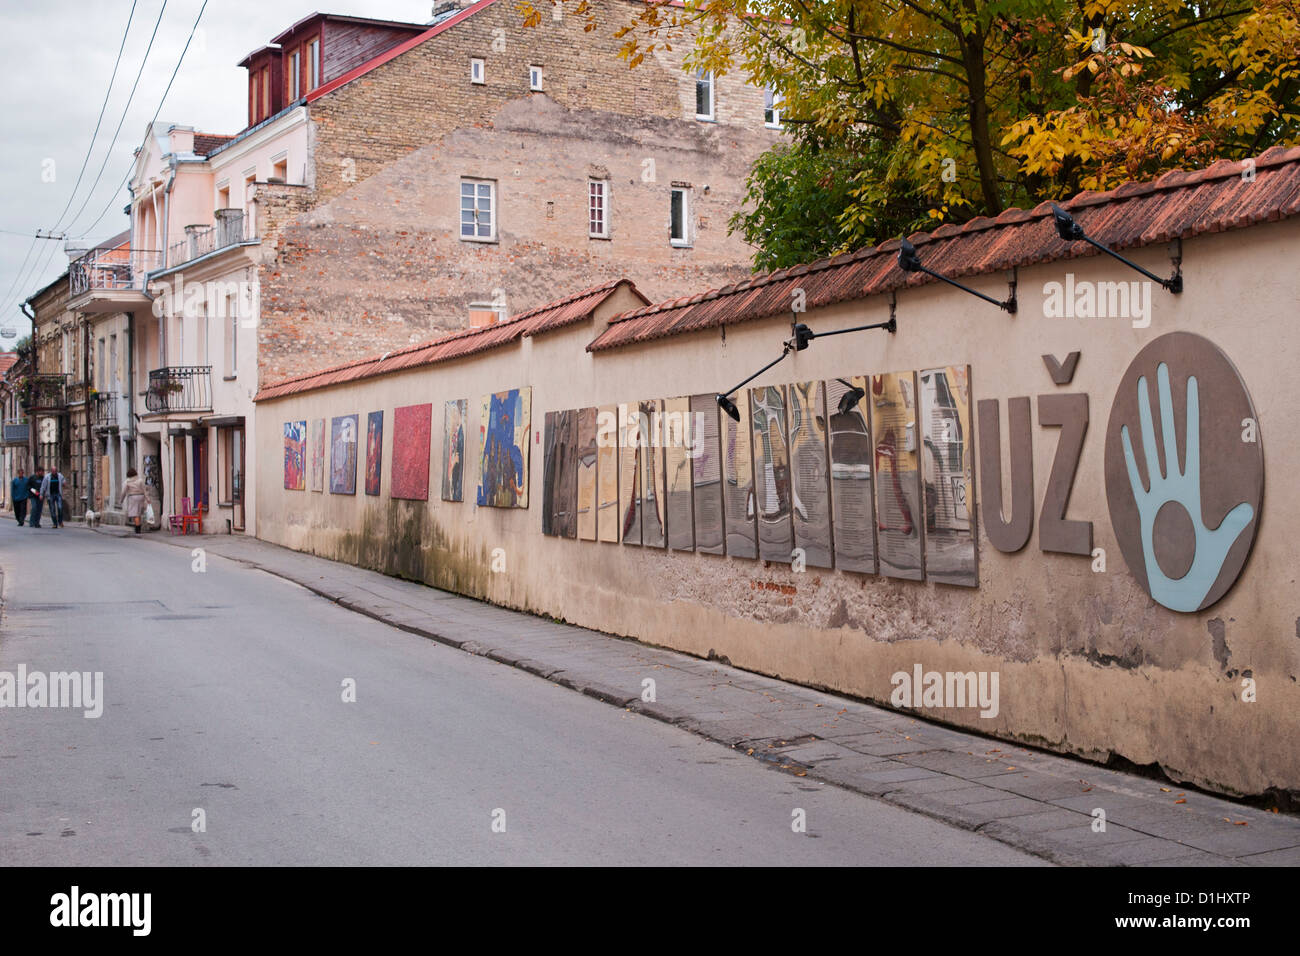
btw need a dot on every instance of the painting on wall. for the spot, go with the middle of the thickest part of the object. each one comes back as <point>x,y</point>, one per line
<point>316,445</point>
<point>453,449</point>
<point>560,474</point>
<point>738,484</point>
<point>607,428</point>
<point>852,468</point>
<point>653,522</point>
<point>706,476</point>
<point>679,443</point>
<point>947,475</point>
<point>295,456</point>
<point>629,474</point>
<point>410,471</point>
<point>343,455</point>
<point>586,449</point>
<point>505,428</point>
<point>810,489</point>
<point>771,473</point>
<point>374,451</point>
<point>899,510</point>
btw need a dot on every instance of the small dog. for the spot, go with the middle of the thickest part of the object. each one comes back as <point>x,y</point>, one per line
<point>92,519</point>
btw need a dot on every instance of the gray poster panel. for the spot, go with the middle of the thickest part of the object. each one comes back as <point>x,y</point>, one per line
<point>771,473</point>
<point>810,474</point>
<point>706,468</point>
<point>899,506</point>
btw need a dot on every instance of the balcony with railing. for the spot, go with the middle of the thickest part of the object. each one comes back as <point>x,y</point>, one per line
<point>231,229</point>
<point>179,388</point>
<point>16,431</point>
<point>111,280</point>
<point>103,410</point>
<point>47,392</point>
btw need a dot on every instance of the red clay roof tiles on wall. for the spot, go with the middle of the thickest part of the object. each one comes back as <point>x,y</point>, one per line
<point>1177,205</point>
<point>547,318</point>
<point>205,143</point>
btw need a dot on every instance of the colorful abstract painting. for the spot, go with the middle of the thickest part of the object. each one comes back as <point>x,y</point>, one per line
<point>343,455</point>
<point>374,451</point>
<point>410,471</point>
<point>453,450</point>
<point>505,427</point>
<point>295,456</point>
<point>317,445</point>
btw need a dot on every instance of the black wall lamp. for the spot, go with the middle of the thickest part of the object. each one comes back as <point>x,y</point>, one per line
<point>909,261</point>
<point>851,397</point>
<point>1071,231</point>
<point>803,335</point>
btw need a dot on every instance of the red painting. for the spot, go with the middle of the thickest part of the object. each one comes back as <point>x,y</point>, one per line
<point>411,429</point>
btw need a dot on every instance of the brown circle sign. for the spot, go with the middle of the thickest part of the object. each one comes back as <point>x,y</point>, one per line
<point>1184,471</point>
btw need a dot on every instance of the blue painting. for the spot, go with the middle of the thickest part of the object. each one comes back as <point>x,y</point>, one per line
<point>503,462</point>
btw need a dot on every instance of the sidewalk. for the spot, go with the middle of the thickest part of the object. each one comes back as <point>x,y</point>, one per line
<point>1038,802</point>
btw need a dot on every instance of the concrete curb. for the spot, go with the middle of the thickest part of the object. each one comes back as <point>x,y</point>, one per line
<point>1043,804</point>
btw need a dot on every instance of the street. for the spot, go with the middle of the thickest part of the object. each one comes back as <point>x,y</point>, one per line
<point>224,692</point>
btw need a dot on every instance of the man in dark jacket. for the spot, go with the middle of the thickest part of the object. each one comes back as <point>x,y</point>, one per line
<point>52,495</point>
<point>18,494</point>
<point>34,496</point>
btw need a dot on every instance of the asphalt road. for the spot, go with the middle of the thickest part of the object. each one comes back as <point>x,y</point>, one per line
<point>223,692</point>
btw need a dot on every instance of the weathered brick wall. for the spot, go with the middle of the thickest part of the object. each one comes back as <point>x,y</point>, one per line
<point>377,262</point>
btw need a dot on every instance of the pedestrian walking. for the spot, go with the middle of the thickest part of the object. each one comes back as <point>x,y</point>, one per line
<point>34,496</point>
<point>18,492</point>
<point>52,495</point>
<point>133,498</point>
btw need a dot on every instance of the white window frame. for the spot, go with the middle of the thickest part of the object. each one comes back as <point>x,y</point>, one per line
<point>772,101</point>
<point>477,71</point>
<point>535,79</point>
<point>685,240</point>
<point>598,187</point>
<point>295,75</point>
<point>706,76</point>
<point>492,209</point>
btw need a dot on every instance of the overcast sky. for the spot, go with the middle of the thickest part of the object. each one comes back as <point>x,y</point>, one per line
<point>58,57</point>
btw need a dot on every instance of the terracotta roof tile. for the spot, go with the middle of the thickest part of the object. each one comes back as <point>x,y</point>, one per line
<point>205,143</point>
<point>1176,205</point>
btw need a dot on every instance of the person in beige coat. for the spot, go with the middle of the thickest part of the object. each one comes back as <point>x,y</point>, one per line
<point>133,498</point>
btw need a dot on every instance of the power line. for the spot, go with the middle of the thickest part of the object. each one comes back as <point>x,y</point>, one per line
<point>22,275</point>
<point>95,135</point>
<point>179,61</point>
<point>108,155</point>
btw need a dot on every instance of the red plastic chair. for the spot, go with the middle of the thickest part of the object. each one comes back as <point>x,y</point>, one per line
<point>186,519</point>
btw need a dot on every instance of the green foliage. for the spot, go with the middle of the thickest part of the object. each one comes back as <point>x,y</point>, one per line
<point>908,113</point>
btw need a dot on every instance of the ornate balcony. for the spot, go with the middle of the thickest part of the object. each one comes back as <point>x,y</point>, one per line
<point>103,410</point>
<point>111,280</point>
<point>45,393</point>
<point>179,388</point>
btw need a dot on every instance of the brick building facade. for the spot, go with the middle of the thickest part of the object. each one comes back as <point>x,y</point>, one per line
<point>577,168</point>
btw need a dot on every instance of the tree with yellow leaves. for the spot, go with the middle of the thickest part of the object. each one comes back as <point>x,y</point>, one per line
<point>905,113</point>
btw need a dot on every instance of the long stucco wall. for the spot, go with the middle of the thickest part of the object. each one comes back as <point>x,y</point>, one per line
<point>1088,663</point>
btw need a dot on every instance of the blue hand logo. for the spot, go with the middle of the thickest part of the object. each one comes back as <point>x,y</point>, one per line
<point>1168,484</point>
